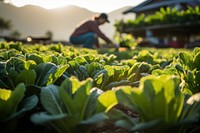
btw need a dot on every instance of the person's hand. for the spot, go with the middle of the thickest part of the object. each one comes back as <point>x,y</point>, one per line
<point>116,45</point>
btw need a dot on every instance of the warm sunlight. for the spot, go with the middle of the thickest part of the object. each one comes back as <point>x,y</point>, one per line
<point>48,4</point>
<point>94,5</point>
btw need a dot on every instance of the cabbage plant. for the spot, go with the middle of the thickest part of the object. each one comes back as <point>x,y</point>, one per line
<point>189,71</point>
<point>75,106</point>
<point>33,75</point>
<point>161,105</point>
<point>13,105</point>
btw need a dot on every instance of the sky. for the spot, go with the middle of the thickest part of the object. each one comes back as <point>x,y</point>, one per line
<point>93,5</point>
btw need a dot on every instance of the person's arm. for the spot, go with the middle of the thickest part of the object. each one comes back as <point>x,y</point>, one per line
<point>94,28</point>
<point>97,43</point>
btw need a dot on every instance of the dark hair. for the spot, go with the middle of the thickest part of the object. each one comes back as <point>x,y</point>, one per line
<point>102,15</point>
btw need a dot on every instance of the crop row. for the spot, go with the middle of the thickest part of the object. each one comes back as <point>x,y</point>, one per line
<point>71,90</point>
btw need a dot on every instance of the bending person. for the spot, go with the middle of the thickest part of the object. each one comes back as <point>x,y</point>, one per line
<point>88,31</point>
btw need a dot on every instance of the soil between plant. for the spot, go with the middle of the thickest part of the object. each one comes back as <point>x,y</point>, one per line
<point>109,127</point>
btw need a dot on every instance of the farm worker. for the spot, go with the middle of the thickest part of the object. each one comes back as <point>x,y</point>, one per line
<point>88,31</point>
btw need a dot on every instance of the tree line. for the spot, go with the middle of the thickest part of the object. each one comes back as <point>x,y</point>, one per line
<point>7,25</point>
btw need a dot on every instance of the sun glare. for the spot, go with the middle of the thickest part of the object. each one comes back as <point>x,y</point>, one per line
<point>93,5</point>
<point>48,4</point>
<point>53,4</point>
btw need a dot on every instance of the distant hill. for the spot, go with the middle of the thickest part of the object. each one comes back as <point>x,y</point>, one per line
<point>36,21</point>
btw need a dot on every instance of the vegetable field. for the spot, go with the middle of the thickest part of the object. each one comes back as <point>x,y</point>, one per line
<point>57,88</point>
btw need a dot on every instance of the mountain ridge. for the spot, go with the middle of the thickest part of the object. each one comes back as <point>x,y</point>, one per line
<point>31,20</point>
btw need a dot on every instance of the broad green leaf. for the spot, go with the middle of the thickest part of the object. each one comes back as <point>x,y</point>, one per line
<point>66,95</point>
<point>91,103</point>
<point>197,61</point>
<point>110,70</point>
<point>73,63</point>
<point>166,71</point>
<point>83,71</point>
<point>145,56</point>
<point>100,73</point>
<point>80,60</point>
<point>186,59</point>
<point>169,89</point>
<point>10,101</point>
<point>29,103</point>
<point>117,73</point>
<point>51,58</point>
<point>197,77</point>
<point>62,60</point>
<point>115,84</point>
<point>2,68</point>
<point>28,77</point>
<point>90,58</point>
<point>26,105</point>
<point>133,69</point>
<point>95,119</point>
<point>196,50</point>
<point>13,76</point>
<point>54,76</point>
<point>50,99</point>
<point>37,58</point>
<point>93,68</point>
<point>5,94</point>
<point>124,96</point>
<point>81,97</point>
<point>162,111</point>
<point>30,64</point>
<point>76,84</point>
<point>44,117</point>
<point>190,112</point>
<point>17,96</point>
<point>163,92</point>
<point>44,72</point>
<point>106,101</point>
<point>101,78</point>
<point>15,64</point>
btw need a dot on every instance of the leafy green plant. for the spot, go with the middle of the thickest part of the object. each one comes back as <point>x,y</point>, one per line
<point>111,76</point>
<point>48,73</point>
<point>163,16</point>
<point>17,70</point>
<point>161,105</point>
<point>189,71</point>
<point>75,106</point>
<point>125,40</point>
<point>57,47</point>
<point>13,105</point>
<point>138,70</point>
<point>16,45</point>
<point>152,58</point>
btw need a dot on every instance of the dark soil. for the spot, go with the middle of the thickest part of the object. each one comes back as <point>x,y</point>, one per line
<point>26,126</point>
<point>109,127</point>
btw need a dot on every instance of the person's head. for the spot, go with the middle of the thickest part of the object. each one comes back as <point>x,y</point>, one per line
<point>102,18</point>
